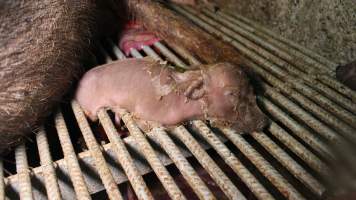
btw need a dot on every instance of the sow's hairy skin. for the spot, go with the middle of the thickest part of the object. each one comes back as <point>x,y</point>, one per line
<point>42,44</point>
<point>151,91</point>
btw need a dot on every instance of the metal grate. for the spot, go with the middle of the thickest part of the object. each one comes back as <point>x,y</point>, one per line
<point>309,108</point>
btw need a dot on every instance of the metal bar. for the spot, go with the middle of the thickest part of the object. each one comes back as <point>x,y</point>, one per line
<point>2,183</point>
<point>150,52</point>
<point>337,86</point>
<point>246,176</point>
<point>70,158</point>
<point>182,164</point>
<point>319,112</point>
<point>292,166</point>
<point>306,90</point>
<point>170,56</point>
<point>299,130</point>
<point>48,171</point>
<point>308,157</point>
<point>185,54</point>
<point>95,151</point>
<point>23,173</point>
<point>265,168</point>
<point>124,157</point>
<point>135,53</point>
<point>150,155</point>
<point>209,165</point>
<point>277,37</point>
<point>341,146</point>
<point>118,53</point>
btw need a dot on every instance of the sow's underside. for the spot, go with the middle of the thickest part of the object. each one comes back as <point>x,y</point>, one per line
<point>42,46</point>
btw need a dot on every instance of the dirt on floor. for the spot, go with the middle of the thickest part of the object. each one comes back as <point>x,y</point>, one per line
<point>325,26</point>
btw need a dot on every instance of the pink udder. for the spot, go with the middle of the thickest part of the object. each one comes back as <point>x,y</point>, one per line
<point>135,36</point>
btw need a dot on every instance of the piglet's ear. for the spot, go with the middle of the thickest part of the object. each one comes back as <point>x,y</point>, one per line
<point>195,90</point>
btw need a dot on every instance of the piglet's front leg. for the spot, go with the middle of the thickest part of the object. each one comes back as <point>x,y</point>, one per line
<point>122,131</point>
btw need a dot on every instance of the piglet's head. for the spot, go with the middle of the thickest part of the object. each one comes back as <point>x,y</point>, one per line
<point>229,99</point>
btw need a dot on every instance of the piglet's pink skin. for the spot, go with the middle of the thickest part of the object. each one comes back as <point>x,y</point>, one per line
<point>154,92</point>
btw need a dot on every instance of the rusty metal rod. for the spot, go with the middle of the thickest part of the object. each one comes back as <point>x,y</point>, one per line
<point>297,148</point>
<point>264,167</point>
<point>118,53</point>
<point>185,54</point>
<point>95,151</point>
<point>169,55</point>
<point>332,83</point>
<point>23,173</point>
<point>241,44</point>
<point>261,29</point>
<point>290,164</point>
<point>124,157</point>
<point>246,176</point>
<point>150,155</point>
<point>70,158</point>
<point>182,164</point>
<point>299,130</point>
<point>341,146</point>
<point>135,53</point>
<point>47,165</point>
<point>324,116</point>
<point>299,111</point>
<point>151,52</point>
<point>207,162</point>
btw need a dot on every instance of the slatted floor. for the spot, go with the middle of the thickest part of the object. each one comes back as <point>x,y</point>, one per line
<point>292,159</point>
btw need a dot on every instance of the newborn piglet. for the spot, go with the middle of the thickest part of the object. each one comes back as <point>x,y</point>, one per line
<point>152,92</point>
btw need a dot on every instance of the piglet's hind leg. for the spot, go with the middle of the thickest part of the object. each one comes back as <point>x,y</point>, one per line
<point>119,125</point>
